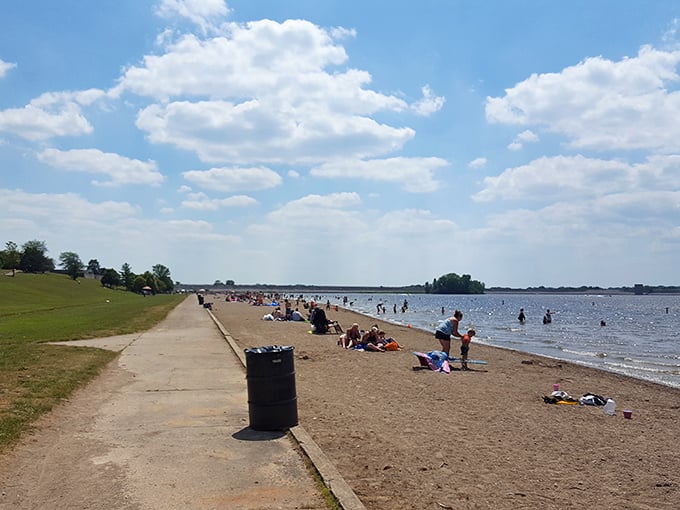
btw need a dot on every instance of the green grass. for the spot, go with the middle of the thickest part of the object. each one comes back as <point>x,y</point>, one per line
<point>35,309</point>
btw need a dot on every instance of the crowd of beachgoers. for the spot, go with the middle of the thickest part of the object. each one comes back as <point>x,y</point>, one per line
<point>299,309</point>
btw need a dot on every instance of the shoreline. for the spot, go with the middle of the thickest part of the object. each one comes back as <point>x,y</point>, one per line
<point>405,438</point>
<point>520,351</point>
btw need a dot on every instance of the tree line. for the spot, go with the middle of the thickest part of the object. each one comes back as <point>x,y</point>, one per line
<point>32,257</point>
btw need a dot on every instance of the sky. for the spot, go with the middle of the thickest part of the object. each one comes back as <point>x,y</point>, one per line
<point>325,142</point>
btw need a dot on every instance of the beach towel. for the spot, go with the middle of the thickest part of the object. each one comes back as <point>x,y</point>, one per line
<point>434,360</point>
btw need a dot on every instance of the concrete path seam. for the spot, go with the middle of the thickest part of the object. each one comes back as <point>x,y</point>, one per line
<point>331,477</point>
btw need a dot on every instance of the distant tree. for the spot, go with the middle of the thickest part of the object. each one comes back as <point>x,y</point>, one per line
<point>218,283</point>
<point>71,263</point>
<point>451,283</point>
<point>230,283</point>
<point>163,281</point>
<point>110,278</point>
<point>34,258</point>
<point>94,267</point>
<point>10,257</point>
<point>127,276</point>
<point>138,284</point>
<point>160,271</point>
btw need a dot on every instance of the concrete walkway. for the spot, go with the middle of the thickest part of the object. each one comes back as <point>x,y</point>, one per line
<point>164,427</point>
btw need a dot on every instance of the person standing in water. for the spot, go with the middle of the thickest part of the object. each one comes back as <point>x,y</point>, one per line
<point>547,318</point>
<point>447,329</point>
<point>521,317</point>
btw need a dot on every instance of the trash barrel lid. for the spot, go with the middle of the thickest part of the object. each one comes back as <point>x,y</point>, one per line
<point>269,348</point>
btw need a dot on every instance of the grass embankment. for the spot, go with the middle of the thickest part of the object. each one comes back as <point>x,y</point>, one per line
<point>35,309</point>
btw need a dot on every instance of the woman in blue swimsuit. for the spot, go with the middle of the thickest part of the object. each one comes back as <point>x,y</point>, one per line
<point>448,328</point>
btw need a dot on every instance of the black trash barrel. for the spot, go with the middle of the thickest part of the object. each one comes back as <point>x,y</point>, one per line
<point>272,401</point>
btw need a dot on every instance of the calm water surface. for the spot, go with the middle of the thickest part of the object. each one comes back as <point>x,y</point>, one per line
<point>641,338</point>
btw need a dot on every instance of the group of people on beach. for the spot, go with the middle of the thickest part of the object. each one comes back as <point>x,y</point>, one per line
<point>371,340</point>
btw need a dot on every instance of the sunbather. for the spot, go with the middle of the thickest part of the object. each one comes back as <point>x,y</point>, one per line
<point>370,341</point>
<point>351,337</point>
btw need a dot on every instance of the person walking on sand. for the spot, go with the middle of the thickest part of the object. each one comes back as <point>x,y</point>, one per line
<point>465,347</point>
<point>448,328</point>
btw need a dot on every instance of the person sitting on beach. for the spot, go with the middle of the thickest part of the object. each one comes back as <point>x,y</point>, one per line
<point>465,347</point>
<point>370,341</point>
<point>319,321</point>
<point>448,328</point>
<point>351,338</point>
<point>390,344</point>
<point>297,316</point>
<point>322,323</point>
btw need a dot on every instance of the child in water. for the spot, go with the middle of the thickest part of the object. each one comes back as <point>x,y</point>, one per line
<point>465,347</point>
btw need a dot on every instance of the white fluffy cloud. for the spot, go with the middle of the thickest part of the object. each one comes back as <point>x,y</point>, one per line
<point>256,131</point>
<point>337,213</point>
<point>203,13</point>
<point>5,66</point>
<point>526,136</point>
<point>429,103</point>
<point>119,169</point>
<point>600,104</point>
<point>265,91</point>
<point>477,163</point>
<point>413,174</point>
<point>52,114</point>
<point>577,178</point>
<point>200,201</point>
<point>234,179</point>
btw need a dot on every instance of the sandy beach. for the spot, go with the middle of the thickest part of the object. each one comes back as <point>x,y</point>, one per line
<point>405,438</point>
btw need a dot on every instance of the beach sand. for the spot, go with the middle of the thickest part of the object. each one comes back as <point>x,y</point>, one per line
<point>417,439</point>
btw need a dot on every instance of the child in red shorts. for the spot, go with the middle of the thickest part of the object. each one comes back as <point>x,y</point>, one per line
<point>465,347</point>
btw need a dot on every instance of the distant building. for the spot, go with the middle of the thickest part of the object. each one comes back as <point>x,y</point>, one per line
<point>639,289</point>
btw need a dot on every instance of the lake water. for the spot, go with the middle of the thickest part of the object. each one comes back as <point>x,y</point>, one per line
<point>641,337</point>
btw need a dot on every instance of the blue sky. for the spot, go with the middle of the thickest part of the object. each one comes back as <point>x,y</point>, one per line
<point>333,142</point>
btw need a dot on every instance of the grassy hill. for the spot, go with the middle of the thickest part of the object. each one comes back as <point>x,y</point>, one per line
<point>35,309</point>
